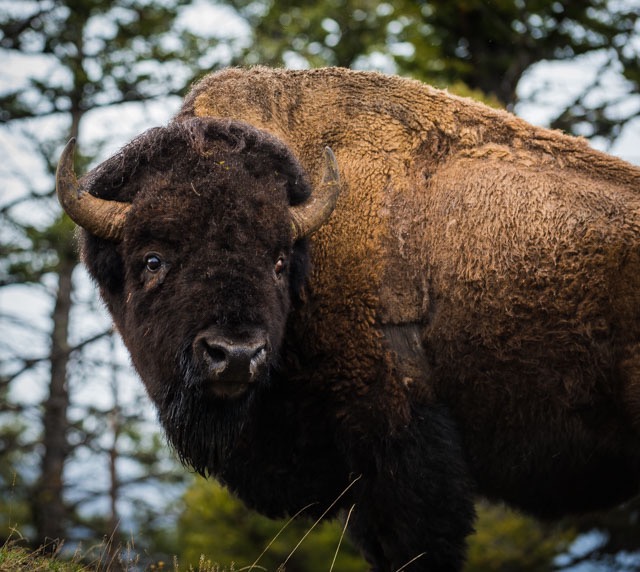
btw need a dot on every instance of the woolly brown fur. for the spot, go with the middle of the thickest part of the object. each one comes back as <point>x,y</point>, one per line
<point>468,322</point>
<point>513,248</point>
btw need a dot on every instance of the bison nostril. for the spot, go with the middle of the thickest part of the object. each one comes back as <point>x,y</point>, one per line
<point>259,353</point>
<point>258,359</point>
<point>231,359</point>
<point>215,355</point>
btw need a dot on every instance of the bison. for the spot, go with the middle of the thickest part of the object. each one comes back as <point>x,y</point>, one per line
<point>444,303</point>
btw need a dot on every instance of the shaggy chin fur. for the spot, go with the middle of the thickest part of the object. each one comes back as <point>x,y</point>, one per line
<point>202,428</point>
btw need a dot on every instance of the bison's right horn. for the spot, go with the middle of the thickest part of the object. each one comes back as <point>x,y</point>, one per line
<point>311,215</point>
<point>101,218</point>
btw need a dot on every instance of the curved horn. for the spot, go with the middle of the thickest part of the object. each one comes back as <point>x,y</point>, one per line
<point>101,218</point>
<point>311,215</point>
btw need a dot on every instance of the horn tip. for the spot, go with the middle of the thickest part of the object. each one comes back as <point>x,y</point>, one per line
<point>70,144</point>
<point>66,157</point>
<point>66,182</point>
<point>331,163</point>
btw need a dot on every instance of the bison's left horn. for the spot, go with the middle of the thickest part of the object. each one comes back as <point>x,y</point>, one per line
<point>101,218</point>
<point>310,216</point>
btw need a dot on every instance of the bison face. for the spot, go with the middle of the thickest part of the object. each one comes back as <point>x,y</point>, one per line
<point>195,234</point>
<point>207,281</point>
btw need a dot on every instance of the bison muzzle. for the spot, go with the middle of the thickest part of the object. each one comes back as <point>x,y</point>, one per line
<point>231,363</point>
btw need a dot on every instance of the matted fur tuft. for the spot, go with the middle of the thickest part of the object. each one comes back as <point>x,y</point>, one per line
<point>188,143</point>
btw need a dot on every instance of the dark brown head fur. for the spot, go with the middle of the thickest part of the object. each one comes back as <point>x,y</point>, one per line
<point>207,246</point>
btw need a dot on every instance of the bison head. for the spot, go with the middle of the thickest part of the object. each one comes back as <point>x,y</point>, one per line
<point>195,234</point>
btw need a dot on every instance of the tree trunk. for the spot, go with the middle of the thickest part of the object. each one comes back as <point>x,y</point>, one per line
<point>115,422</point>
<point>50,512</point>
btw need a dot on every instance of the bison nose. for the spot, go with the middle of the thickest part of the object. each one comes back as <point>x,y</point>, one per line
<point>231,360</point>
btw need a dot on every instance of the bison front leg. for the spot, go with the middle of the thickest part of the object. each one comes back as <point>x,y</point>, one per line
<point>414,506</point>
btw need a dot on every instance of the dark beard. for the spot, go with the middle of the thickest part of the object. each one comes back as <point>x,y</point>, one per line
<point>201,428</point>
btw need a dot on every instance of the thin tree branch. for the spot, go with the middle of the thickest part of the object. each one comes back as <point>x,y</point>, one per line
<point>31,362</point>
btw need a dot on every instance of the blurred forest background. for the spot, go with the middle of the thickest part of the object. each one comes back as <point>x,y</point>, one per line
<point>82,464</point>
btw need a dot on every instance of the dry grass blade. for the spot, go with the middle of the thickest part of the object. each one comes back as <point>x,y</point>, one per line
<point>283,565</point>
<point>255,564</point>
<point>344,530</point>
<point>411,561</point>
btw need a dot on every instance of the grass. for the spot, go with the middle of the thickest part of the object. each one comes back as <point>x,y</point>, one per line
<point>109,557</point>
<point>15,558</point>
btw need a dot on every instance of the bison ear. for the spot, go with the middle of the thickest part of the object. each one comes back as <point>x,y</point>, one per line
<point>299,268</point>
<point>105,266</point>
<point>308,217</point>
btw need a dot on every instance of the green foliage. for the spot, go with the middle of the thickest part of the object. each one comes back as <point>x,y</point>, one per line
<point>218,526</point>
<point>35,251</point>
<point>113,52</point>
<point>621,535</point>
<point>489,45</point>
<point>507,541</point>
<point>215,524</point>
<point>14,506</point>
<point>15,558</point>
<point>333,32</point>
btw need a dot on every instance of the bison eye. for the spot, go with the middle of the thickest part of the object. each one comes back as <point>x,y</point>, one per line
<point>281,265</point>
<point>153,262</point>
